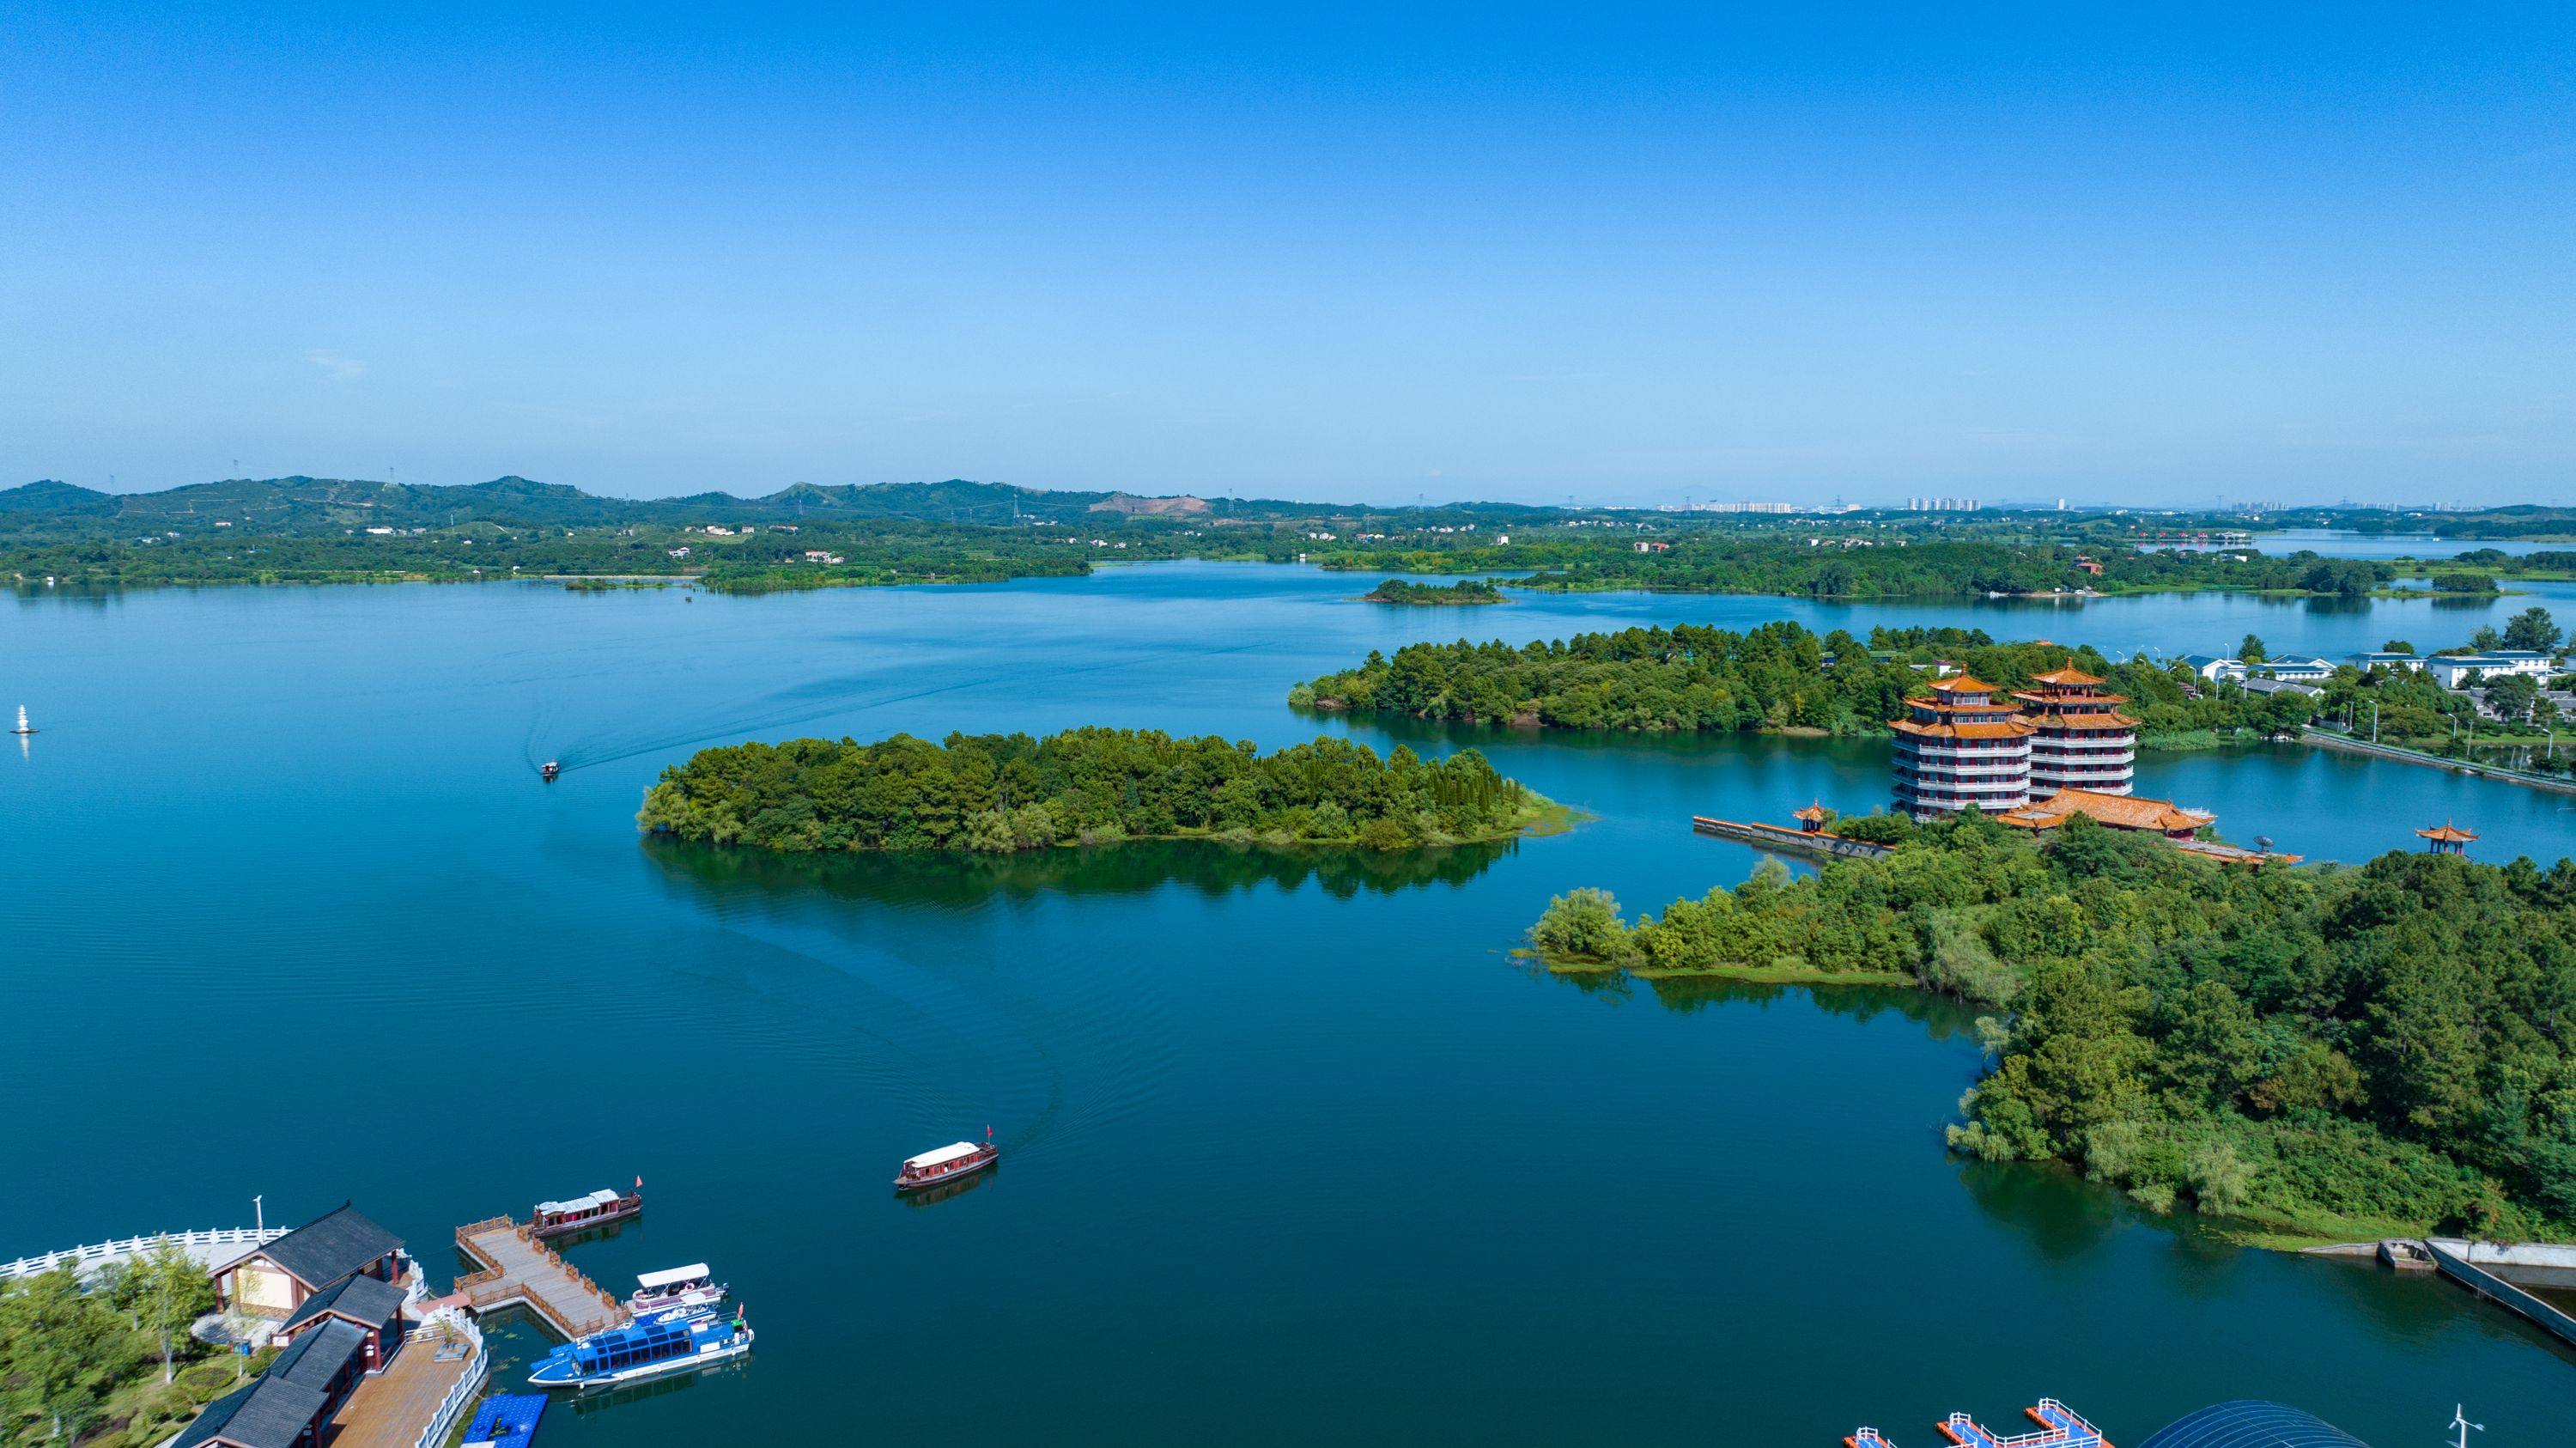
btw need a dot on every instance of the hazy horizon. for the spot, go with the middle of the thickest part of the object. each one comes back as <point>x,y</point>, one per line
<point>2016,255</point>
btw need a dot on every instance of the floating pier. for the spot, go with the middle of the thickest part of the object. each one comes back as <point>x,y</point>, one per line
<point>506,1420</point>
<point>518,1270</point>
<point>2059,1427</point>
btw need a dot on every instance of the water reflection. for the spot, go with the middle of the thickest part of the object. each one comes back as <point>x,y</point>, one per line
<point>963,880</point>
<point>586,1404</point>
<point>2052,1207</point>
<point>950,1190</point>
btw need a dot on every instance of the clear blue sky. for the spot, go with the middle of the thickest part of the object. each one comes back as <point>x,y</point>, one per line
<point>2008,253</point>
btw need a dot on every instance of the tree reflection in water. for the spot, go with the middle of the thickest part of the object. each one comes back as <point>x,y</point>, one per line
<point>961,879</point>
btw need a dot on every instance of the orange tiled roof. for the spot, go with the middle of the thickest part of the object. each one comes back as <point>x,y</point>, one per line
<point>2125,812</point>
<point>1962,684</point>
<point>2112,720</point>
<point>2067,675</point>
<point>2069,696</point>
<point>2449,834</point>
<point>1816,811</point>
<point>2000,729</point>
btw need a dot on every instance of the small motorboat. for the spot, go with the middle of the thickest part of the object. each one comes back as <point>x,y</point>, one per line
<point>548,770</point>
<point>23,726</point>
<point>665,1342</point>
<point>947,1164</point>
<point>690,1286</point>
<point>553,1219</point>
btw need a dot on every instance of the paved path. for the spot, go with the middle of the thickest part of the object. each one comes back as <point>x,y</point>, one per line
<point>212,1249</point>
<point>391,1409</point>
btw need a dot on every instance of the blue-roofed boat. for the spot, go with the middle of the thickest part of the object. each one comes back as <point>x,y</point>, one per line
<point>670,1341</point>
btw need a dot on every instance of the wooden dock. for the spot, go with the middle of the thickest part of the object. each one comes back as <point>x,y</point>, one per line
<point>393,1408</point>
<point>1789,841</point>
<point>519,1270</point>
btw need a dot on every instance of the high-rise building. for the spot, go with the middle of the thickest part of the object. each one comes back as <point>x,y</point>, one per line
<point>2079,738</point>
<point>1960,747</point>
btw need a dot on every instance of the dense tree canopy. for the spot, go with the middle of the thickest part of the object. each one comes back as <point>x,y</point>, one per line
<point>998,792</point>
<point>1777,676</point>
<point>2324,1050</point>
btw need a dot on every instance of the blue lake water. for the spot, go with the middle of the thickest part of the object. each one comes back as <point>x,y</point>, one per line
<point>1293,1149</point>
<point>2341,543</point>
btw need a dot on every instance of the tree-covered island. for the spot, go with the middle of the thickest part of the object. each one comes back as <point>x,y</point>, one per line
<point>1005,792</point>
<point>2314,1053</point>
<point>1466,590</point>
<point>1781,677</point>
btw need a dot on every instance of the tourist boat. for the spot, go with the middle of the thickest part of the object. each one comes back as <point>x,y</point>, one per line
<point>553,1219</point>
<point>946,1164</point>
<point>666,1342</point>
<point>548,770</point>
<point>690,1286</point>
<point>23,726</point>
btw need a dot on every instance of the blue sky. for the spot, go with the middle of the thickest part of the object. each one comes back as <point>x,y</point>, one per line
<point>1619,255</point>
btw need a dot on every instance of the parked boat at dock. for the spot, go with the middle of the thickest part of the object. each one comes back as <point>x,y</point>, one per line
<point>690,1286</point>
<point>946,1164</point>
<point>670,1341</point>
<point>553,1219</point>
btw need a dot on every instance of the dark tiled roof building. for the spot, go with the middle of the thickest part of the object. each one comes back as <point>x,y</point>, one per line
<point>275,1280</point>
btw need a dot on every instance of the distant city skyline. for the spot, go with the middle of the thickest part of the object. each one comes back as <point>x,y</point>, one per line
<point>2147,259</point>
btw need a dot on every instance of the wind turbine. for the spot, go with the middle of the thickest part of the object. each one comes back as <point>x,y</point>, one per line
<point>2460,1421</point>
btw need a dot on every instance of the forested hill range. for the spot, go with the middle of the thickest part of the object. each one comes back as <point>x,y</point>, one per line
<point>300,505</point>
<point>321,530</point>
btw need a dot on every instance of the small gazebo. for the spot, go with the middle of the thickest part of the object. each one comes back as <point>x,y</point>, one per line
<point>1812,818</point>
<point>2449,839</point>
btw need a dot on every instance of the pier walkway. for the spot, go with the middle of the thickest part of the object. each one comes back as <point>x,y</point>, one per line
<point>519,1270</point>
<point>2059,1427</point>
<point>395,1408</point>
<point>1781,837</point>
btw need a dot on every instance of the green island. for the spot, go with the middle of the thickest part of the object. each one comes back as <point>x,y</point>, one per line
<point>1783,678</point>
<point>997,793</point>
<point>340,530</point>
<point>2302,1055</point>
<point>108,1362</point>
<point>1471,590</point>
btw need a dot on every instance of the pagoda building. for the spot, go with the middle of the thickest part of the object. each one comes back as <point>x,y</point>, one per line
<point>2079,738</point>
<point>1961,747</point>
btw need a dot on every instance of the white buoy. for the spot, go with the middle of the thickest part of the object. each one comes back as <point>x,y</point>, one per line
<point>23,726</point>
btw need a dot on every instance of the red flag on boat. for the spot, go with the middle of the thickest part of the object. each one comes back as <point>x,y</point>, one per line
<point>639,1184</point>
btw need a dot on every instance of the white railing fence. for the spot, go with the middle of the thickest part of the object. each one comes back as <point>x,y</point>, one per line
<point>460,1397</point>
<point>87,1257</point>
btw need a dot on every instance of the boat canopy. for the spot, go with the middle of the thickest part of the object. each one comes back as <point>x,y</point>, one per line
<point>590,1202</point>
<point>673,1277</point>
<point>942,1156</point>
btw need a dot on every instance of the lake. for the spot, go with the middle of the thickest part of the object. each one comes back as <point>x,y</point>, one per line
<point>1293,1149</point>
<point>2345,543</point>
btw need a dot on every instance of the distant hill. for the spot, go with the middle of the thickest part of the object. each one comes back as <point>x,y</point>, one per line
<point>304,506</point>
<point>62,499</point>
<point>307,505</point>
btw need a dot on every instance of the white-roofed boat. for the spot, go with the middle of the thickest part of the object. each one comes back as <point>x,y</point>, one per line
<point>946,1164</point>
<point>690,1286</point>
<point>551,1219</point>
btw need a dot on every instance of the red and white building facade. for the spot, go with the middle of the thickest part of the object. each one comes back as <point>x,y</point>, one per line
<point>1961,747</point>
<point>2079,738</point>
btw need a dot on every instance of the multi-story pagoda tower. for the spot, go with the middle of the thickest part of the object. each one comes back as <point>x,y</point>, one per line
<point>2079,738</point>
<point>1961,747</point>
